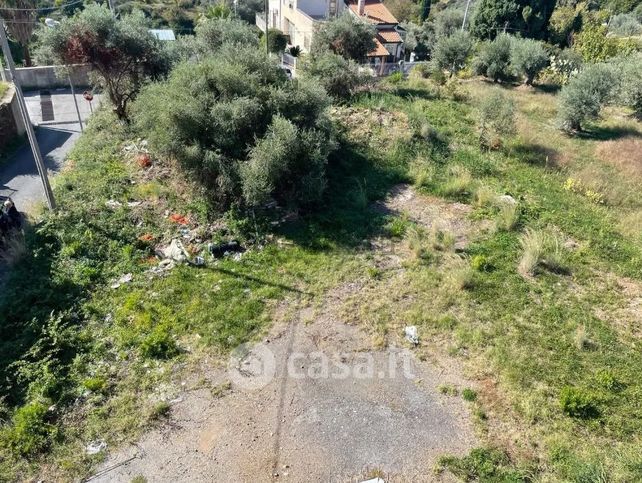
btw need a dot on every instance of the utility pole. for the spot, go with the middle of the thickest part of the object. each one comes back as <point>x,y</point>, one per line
<point>73,94</point>
<point>42,170</point>
<point>267,27</point>
<point>463,24</point>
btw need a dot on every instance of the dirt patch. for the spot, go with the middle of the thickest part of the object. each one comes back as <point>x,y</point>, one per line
<point>624,153</point>
<point>433,213</point>
<point>626,315</point>
<point>375,127</point>
<point>315,401</point>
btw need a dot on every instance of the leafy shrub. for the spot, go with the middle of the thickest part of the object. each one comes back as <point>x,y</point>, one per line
<point>219,119</point>
<point>347,35</point>
<point>289,161</point>
<point>625,24</point>
<point>629,92</point>
<point>29,432</point>
<point>451,52</point>
<point>595,45</point>
<point>277,41</point>
<point>494,58</point>
<point>482,464</point>
<point>583,97</point>
<point>527,59</point>
<point>578,403</point>
<point>159,344</point>
<point>448,21</point>
<point>562,67</point>
<point>340,77</point>
<point>94,384</point>
<point>481,263</point>
<point>395,78</point>
<point>496,118</point>
<point>212,34</point>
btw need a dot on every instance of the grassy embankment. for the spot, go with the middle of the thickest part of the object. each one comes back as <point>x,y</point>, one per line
<point>554,352</point>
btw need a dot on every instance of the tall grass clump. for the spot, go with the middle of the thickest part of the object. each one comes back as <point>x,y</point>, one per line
<point>459,182</point>
<point>496,119</point>
<point>539,248</point>
<point>507,217</point>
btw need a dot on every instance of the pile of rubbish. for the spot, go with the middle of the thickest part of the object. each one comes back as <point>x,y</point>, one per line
<point>10,221</point>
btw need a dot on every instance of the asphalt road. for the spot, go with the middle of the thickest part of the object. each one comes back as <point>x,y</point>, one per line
<point>19,175</point>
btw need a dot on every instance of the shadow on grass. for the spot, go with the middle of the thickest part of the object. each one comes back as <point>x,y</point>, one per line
<point>30,295</point>
<point>410,93</point>
<point>346,218</point>
<point>257,280</point>
<point>608,133</point>
<point>533,153</point>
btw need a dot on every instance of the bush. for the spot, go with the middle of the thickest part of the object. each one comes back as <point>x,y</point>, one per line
<point>159,344</point>
<point>213,117</point>
<point>578,403</point>
<point>494,59</point>
<point>29,432</point>
<point>213,33</point>
<point>629,92</point>
<point>595,45</point>
<point>496,118</point>
<point>583,97</point>
<point>528,57</point>
<point>625,24</point>
<point>451,52</point>
<point>447,22</point>
<point>347,36</point>
<point>563,66</point>
<point>340,77</point>
<point>277,41</point>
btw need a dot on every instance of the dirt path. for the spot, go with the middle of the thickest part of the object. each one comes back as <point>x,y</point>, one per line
<point>312,402</point>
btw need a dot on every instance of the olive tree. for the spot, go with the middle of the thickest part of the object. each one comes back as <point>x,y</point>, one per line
<point>240,128</point>
<point>340,77</point>
<point>493,60</point>
<point>527,58</point>
<point>346,35</point>
<point>451,52</point>
<point>121,52</point>
<point>583,97</point>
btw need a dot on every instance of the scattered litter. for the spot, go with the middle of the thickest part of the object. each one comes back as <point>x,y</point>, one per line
<point>133,204</point>
<point>144,160</point>
<point>174,251</point>
<point>180,219</point>
<point>224,249</point>
<point>507,199</point>
<point>411,334</point>
<point>374,480</point>
<point>198,261</point>
<point>113,204</point>
<point>95,447</point>
<point>146,237</point>
<point>122,280</point>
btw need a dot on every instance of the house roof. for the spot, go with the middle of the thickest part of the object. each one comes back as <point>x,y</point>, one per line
<point>379,50</point>
<point>390,36</point>
<point>375,11</point>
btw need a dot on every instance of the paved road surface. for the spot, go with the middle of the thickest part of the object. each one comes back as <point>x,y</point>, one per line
<point>19,175</point>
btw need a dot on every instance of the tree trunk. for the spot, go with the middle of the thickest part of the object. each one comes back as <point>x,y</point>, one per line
<point>27,55</point>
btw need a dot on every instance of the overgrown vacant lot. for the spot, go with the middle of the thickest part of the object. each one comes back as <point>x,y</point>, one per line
<point>536,297</point>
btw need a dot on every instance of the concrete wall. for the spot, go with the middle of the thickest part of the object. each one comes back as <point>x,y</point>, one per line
<point>11,125</point>
<point>36,78</point>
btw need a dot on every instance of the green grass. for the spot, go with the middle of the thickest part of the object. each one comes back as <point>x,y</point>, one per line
<point>3,88</point>
<point>573,405</point>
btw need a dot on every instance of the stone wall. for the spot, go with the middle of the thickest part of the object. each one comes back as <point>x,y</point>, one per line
<point>11,125</point>
<point>44,77</point>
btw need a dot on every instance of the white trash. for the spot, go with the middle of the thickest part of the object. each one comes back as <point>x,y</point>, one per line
<point>411,334</point>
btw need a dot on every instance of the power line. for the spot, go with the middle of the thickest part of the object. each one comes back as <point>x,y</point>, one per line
<point>56,7</point>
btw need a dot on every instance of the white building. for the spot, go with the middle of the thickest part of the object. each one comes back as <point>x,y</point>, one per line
<point>298,19</point>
